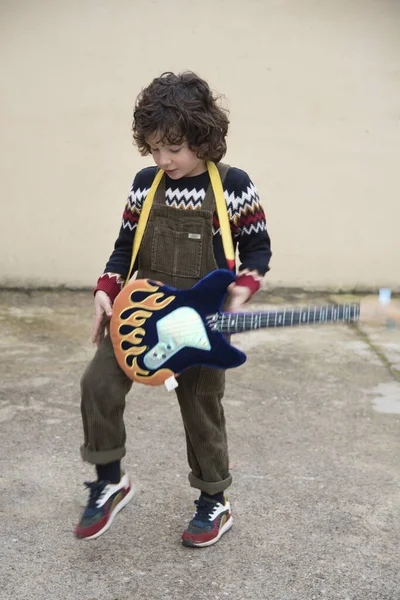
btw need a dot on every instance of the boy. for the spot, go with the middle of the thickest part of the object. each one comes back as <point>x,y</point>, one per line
<point>178,121</point>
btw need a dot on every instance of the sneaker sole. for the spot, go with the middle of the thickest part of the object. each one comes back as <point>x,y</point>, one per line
<point>223,530</point>
<point>110,521</point>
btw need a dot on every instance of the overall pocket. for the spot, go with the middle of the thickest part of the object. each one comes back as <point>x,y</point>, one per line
<point>177,253</point>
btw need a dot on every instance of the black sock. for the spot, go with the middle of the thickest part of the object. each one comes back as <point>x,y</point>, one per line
<point>110,472</point>
<point>219,497</point>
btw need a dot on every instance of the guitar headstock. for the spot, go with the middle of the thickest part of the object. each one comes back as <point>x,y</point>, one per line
<point>373,312</point>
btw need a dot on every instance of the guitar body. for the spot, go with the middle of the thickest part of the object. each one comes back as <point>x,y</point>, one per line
<point>158,331</point>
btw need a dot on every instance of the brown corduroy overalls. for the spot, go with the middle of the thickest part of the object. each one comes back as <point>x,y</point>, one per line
<point>177,249</point>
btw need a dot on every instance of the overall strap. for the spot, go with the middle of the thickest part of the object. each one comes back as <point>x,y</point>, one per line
<point>217,176</point>
<point>144,216</point>
<point>209,202</point>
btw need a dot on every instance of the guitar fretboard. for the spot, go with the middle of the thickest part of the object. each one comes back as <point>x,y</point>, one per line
<point>240,322</point>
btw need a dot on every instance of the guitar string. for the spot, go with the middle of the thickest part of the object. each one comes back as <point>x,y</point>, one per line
<point>327,314</point>
<point>225,322</point>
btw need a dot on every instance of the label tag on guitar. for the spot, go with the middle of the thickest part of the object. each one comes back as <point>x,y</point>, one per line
<point>171,383</point>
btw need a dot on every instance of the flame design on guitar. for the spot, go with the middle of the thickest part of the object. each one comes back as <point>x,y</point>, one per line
<point>131,331</point>
<point>158,331</point>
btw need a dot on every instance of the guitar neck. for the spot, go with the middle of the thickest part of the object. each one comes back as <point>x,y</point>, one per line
<point>241,322</point>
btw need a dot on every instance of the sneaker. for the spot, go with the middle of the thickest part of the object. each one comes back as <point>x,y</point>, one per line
<point>211,520</point>
<point>105,501</point>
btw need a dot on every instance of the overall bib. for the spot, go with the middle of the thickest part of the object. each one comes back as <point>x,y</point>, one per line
<point>177,249</point>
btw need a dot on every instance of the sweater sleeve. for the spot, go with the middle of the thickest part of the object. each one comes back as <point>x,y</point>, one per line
<point>249,228</point>
<point>117,267</point>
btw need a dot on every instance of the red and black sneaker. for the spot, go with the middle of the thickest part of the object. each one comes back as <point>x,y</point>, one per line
<point>105,501</point>
<point>210,521</point>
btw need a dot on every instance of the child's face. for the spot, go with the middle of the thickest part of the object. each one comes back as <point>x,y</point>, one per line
<point>176,160</point>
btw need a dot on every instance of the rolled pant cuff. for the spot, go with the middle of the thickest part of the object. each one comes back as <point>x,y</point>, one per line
<point>210,487</point>
<point>102,457</point>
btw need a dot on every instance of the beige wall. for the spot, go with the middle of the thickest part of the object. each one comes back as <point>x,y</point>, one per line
<point>313,87</point>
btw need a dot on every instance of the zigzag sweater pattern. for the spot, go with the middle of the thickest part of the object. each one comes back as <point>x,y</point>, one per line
<point>246,216</point>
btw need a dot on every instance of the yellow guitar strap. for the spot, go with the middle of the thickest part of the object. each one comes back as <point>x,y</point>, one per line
<point>144,216</point>
<point>221,211</point>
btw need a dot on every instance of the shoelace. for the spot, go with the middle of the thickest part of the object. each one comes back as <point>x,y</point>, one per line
<point>95,488</point>
<point>204,509</point>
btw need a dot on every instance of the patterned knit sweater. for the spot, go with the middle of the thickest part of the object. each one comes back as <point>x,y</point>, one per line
<point>246,215</point>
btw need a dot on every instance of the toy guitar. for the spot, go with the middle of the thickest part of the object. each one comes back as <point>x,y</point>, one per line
<point>157,331</point>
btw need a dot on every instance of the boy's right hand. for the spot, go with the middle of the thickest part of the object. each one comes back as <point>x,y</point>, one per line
<point>103,312</point>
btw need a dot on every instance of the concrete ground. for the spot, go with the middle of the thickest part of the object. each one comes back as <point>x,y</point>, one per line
<point>314,430</point>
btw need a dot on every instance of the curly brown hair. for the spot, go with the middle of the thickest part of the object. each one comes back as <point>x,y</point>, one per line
<point>177,108</point>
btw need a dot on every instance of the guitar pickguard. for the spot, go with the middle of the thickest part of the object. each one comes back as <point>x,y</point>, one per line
<point>182,328</point>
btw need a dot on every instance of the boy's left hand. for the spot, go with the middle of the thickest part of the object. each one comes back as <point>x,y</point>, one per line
<point>237,297</point>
